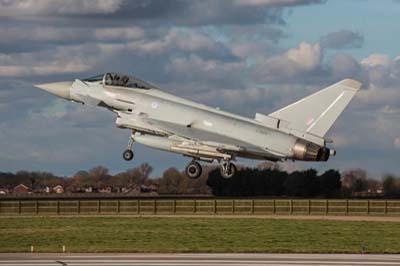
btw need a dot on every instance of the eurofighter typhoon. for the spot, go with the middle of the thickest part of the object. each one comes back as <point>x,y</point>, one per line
<point>170,123</point>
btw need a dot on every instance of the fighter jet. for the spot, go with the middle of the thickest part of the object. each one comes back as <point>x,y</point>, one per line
<point>167,122</point>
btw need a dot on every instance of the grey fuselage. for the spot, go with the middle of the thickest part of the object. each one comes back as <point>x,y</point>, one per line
<point>252,138</point>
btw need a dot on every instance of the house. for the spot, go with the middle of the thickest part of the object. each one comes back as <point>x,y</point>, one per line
<point>58,189</point>
<point>21,189</point>
<point>375,191</point>
<point>153,188</point>
<point>39,189</point>
<point>4,191</point>
<point>131,190</point>
<point>149,188</point>
<point>105,189</point>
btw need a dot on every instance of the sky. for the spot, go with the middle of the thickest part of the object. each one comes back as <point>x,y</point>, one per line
<point>244,56</point>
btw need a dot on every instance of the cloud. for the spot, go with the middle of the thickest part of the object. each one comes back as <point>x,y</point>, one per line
<point>196,69</point>
<point>381,70</point>
<point>343,66</point>
<point>275,2</point>
<point>343,39</point>
<point>53,61</point>
<point>152,12</point>
<point>53,8</point>
<point>397,143</point>
<point>68,35</point>
<point>41,34</point>
<point>55,67</point>
<point>118,33</point>
<point>306,64</point>
<point>376,60</point>
<point>42,134</point>
<point>387,109</point>
<point>226,13</point>
<point>175,39</point>
<point>306,56</point>
<point>290,65</point>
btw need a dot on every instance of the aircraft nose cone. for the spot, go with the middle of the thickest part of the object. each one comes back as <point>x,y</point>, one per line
<point>60,89</point>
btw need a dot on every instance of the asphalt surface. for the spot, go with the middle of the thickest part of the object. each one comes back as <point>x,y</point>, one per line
<point>196,259</point>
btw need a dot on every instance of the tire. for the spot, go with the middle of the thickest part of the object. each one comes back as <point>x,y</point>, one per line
<point>230,173</point>
<point>193,170</point>
<point>127,155</point>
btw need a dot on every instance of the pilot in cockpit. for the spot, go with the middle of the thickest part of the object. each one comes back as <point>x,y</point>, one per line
<point>113,79</point>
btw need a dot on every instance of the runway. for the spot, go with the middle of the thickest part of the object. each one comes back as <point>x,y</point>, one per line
<point>196,259</point>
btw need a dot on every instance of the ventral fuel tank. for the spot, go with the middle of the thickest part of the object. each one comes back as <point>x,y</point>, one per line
<point>156,142</point>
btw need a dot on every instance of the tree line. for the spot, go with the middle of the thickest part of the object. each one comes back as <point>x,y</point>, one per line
<point>264,180</point>
<point>97,177</point>
<point>267,182</point>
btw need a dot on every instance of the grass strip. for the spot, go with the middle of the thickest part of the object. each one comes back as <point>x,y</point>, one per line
<point>148,234</point>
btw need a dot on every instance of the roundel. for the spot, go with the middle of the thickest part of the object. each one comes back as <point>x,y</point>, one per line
<point>154,105</point>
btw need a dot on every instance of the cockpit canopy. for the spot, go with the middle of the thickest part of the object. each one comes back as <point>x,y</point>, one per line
<point>120,80</point>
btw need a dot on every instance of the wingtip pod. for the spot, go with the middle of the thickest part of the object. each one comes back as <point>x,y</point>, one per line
<point>351,83</point>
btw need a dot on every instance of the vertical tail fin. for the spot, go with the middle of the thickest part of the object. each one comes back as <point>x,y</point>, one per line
<point>315,114</point>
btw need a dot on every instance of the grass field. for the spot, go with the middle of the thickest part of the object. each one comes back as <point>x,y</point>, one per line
<point>148,234</point>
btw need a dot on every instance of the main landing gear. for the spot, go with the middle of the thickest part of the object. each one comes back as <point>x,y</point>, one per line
<point>227,169</point>
<point>193,170</point>
<point>128,153</point>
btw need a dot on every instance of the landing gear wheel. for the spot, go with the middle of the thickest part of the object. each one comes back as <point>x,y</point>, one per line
<point>228,170</point>
<point>193,170</point>
<point>127,155</point>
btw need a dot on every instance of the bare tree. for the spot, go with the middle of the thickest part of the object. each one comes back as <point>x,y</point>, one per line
<point>355,180</point>
<point>99,173</point>
<point>391,186</point>
<point>172,182</point>
<point>373,185</point>
<point>145,170</point>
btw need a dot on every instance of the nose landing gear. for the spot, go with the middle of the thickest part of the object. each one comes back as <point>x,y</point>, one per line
<point>128,154</point>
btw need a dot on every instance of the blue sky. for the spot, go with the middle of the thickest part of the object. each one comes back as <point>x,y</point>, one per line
<point>375,20</point>
<point>244,56</point>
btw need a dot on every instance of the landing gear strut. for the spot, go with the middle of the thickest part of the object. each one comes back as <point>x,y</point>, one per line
<point>128,154</point>
<point>193,170</point>
<point>228,169</point>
